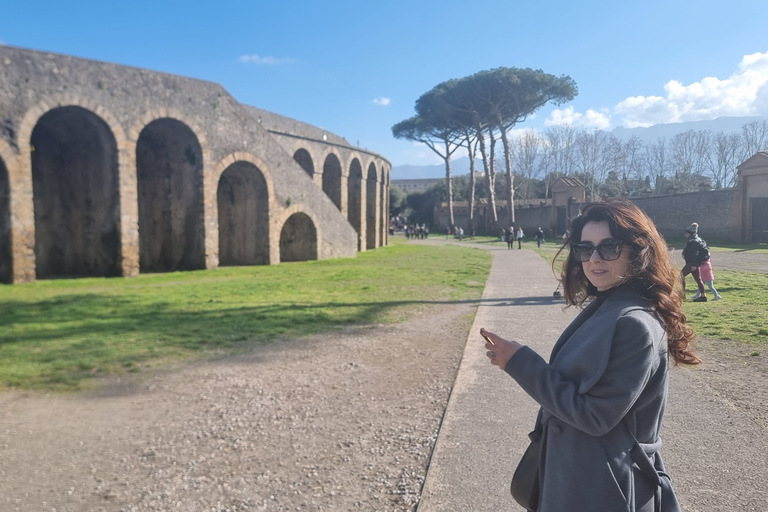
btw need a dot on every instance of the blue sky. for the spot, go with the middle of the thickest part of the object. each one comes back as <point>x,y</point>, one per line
<point>355,68</point>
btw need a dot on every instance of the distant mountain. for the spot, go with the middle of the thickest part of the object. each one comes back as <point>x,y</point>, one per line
<point>459,167</point>
<point>655,132</point>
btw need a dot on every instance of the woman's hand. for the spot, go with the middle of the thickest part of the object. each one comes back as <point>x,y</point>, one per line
<point>501,351</point>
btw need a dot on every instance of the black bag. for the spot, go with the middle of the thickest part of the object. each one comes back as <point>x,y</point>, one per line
<point>525,481</point>
<point>703,254</point>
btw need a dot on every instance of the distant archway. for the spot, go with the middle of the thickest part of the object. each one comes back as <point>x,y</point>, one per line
<point>6,267</point>
<point>243,205</point>
<point>354,198</point>
<point>332,179</point>
<point>76,195</point>
<point>304,159</point>
<point>169,168</point>
<point>298,239</point>
<point>370,208</point>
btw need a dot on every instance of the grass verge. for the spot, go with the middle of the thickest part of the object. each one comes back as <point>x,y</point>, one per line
<point>61,334</point>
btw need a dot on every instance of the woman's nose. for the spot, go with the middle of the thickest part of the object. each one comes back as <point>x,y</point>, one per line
<point>595,256</point>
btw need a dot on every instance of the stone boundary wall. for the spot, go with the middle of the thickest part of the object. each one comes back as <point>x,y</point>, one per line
<point>716,211</point>
<point>33,83</point>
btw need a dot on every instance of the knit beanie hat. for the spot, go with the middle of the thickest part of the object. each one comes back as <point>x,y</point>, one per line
<point>692,229</point>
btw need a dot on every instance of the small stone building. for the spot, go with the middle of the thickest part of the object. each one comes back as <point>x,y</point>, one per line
<point>108,170</point>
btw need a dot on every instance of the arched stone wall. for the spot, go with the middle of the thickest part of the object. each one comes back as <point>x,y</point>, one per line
<point>243,214</point>
<point>355,199</point>
<point>137,98</point>
<point>169,171</point>
<point>304,159</point>
<point>332,179</point>
<point>299,240</point>
<point>372,207</point>
<point>6,266</point>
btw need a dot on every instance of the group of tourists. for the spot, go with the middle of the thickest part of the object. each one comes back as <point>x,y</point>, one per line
<point>417,231</point>
<point>512,234</point>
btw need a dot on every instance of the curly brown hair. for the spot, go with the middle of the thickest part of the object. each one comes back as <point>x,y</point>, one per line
<point>650,269</point>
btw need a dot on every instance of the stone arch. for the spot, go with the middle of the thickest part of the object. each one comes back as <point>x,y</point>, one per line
<point>25,264</point>
<point>242,199</point>
<point>74,164</point>
<point>355,199</point>
<point>6,257</point>
<point>304,159</point>
<point>371,203</point>
<point>170,185</point>
<point>299,238</point>
<point>332,178</point>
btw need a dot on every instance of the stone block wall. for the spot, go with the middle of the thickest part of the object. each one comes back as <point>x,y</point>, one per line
<point>127,100</point>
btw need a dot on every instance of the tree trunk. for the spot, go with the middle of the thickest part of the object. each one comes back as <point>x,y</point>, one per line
<point>510,191</point>
<point>471,195</point>
<point>449,183</point>
<point>489,179</point>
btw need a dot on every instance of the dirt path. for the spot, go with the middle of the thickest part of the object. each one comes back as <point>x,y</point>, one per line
<point>341,421</point>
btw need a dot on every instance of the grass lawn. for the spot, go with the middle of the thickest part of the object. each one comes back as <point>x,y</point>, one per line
<point>61,334</point>
<point>741,316</point>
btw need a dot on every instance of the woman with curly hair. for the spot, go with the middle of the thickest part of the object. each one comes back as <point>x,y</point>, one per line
<point>603,392</point>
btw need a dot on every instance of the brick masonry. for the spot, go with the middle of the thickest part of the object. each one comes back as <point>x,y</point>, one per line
<point>127,99</point>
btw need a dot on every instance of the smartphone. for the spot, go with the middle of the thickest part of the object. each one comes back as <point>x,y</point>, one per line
<point>489,340</point>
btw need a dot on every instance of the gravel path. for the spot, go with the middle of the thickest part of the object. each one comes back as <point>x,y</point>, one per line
<point>341,421</point>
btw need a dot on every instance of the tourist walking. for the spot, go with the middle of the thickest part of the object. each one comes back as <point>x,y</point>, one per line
<point>595,446</point>
<point>708,278</point>
<point>695,253</point>
<point>539,236</point>
<point>519,237</point>
<point>510,237</point>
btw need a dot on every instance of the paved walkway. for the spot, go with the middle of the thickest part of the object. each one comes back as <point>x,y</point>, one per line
<point>718,457</point>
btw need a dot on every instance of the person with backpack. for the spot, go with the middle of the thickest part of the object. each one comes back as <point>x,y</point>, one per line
<point>695,253</point>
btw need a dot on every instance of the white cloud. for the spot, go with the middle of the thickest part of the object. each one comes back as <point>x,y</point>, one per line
<point>568,116</point>
<point>263,60</point>
<point>382,101</point>
<point>744,93</point>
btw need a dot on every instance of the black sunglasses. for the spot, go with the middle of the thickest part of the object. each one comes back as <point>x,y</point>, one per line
<point>609,250</point>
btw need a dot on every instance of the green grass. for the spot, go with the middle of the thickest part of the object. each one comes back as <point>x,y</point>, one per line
<point>741,316</point>
<point>61,334</point>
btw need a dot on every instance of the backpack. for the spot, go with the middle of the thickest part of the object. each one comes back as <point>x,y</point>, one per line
<point>703,254</point>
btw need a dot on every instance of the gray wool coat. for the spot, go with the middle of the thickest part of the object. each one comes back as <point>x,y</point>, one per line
<point>602,399</point>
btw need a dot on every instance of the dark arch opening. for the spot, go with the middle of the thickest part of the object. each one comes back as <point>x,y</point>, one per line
<point>169,168</point>
<point>370,208</point>
<point>298,239</point>
<point>354,198</point>
<point>304,159</point>
<point>6,267</point>
<point>76,195</point>
<point>243,205</point>
<point>332,179</point>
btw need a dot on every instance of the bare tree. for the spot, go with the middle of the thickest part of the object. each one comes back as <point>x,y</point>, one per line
<point>725,155</point>
<point>755,138</point>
